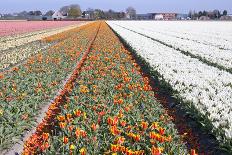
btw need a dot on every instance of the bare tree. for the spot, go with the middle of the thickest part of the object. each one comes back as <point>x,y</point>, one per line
<point>64,10</point>
<point>131,12</point>
<point>216,14</point>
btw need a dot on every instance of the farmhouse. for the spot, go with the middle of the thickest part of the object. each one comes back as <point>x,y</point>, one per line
<point>164,16</point>
<point>88,14</point>
<point>159,17</point>
<point>169,16</point>
<point>204,18</point>
<point>58,16</point>
<point>226,17</point>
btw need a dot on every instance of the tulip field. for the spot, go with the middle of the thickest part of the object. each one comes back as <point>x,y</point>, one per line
<point>18,27</point>
<point>105,88</point>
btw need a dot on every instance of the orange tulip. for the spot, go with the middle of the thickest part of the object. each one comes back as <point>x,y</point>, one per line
<point>61,118</point>
<point>77,132</point>
<point>70,128</point>
<point>15,69</point>
<point>136,137</point>
<point>114,130</point>
<point>154,125</point>
<point>62,125</point>
<point>161,131</point>
<point>65,140</point>
<point>144,125</point>
<point>156,151</point>
<point>77,113</point>
<point>45,136</point>
<point>1,76</point>
<point>114,148</point>
<point>111,121</point>
<point>123,123</point>
<point>94,127</point>
<point>83,133</point>
<point>120,115</point>
<point>120,101</point>
<point>45,146</point>
<point>193,152</point>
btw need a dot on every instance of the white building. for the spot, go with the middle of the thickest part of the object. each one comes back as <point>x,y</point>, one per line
<point>58,16</point>
<point>159,17</point>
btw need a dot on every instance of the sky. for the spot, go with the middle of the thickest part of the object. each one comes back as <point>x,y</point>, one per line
<point>142,6</point>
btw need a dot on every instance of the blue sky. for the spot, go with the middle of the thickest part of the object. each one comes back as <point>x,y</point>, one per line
<point>142,6</point>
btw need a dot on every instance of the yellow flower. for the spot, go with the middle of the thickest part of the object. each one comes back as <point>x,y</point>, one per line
<point>1,112</point>
<point>84,115</point>
<point>84,89</point>
<point>24,94</point>
<point>82,151</point>
<point>72,147</point>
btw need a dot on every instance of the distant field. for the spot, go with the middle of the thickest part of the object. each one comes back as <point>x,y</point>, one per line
<point>19,27</point>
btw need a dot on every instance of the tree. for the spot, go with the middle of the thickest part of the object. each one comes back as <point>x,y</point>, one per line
<point>37,13</point>
<point>190,14</point>
<point>200,13</point>
<point>49,13</point>
<point>23,14</point>
<point>195,15</point>
<point>204,13</point>
<point>31,13</point>
<point>224,13</point>
<point>216,13</point>
<point>74,11</point>
<point>122,15</point>
<point>131,12</point>
<point>99,14</point>
<point>64,10</point>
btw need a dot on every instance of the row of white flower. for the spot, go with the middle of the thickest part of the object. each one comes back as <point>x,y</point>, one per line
<point>15,55</point>
<point>18,40</point>
<point>14,49</point>
<point>216,34</point>
<point>208,88</point>
<point>214,54</point>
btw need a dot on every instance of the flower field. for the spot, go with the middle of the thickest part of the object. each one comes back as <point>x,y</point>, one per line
<point>17,48</point>
<point>82,90</point>
<point>109,109</point>
<point>42,75</point>
<point>189,64</point>
<point>19,27</point>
